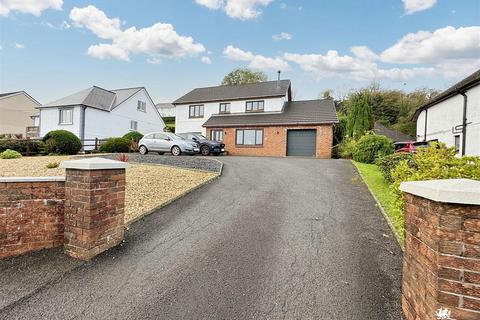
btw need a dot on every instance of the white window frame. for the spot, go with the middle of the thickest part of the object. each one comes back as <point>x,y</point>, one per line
<point>61,119</point>
<point>133,125</point>
<point>141,106</point>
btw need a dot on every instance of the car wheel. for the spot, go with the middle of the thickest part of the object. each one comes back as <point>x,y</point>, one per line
<point>205,150</point>
<point>161,153</point>
<point>176,151</point>
<point>143,150</point>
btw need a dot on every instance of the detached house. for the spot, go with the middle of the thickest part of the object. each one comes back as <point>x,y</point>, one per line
<point>259,119</point>
<point>18,114</point>
<point>453,117</point>
<point>99,113</point>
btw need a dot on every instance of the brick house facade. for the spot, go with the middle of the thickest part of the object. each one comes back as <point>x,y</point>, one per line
<point>275,141</point>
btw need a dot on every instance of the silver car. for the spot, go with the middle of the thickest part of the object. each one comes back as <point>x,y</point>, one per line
<point>162,142</point>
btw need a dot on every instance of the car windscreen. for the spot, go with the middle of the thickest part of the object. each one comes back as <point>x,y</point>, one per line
<point>200,137</point>
<point>400,146</point>
<point>175,137</point>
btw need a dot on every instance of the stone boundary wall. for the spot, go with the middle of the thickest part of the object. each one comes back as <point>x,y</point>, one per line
<point>441,265</point>
<point>31,214</point>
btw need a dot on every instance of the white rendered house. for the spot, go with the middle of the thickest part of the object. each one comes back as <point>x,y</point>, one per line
<point>453,117</point>
<point>99,113</point>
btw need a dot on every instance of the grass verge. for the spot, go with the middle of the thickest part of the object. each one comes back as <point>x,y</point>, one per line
<point>380,188</point>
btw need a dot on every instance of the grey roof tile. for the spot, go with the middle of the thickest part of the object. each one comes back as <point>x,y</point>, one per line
<point>95,97</point>
<point>236,92</point>
<point>293,113</point>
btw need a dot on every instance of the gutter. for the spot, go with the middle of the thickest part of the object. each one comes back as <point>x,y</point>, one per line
<point>464,122</point>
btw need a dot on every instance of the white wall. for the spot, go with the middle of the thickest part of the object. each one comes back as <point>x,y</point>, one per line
<point>184,124</point>
<point>49,118</point>
<point>101,124</point>
<point>447,114</point>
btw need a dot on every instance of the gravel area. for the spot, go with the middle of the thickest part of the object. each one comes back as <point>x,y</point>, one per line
<point>189,162</point>
<point>147,186</point>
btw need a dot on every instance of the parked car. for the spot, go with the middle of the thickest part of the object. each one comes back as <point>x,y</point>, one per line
<point>162,142</point>
<point>410,146</point>
<point>206,146</point>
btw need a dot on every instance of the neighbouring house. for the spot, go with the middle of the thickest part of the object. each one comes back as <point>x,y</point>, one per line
<point>167,110</point>
<point>453,117</point>
<point>17,114</point>
<point>259,119</point>
<point>99,113</point>
<point>395,135</point>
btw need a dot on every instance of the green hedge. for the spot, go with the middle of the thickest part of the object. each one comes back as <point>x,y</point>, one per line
<point>35,146</point>
<point>370,147</point>
<point>388,163</point>
<point>62,142</point>
<point>115,145</point>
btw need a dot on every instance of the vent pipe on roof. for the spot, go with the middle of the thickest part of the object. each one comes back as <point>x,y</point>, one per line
<point>278,79</point>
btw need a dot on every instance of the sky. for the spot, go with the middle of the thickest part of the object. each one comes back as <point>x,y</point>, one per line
<point>53,48</point>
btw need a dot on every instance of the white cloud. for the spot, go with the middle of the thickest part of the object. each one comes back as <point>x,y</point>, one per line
<point>359,67</point>
<point>443,44</point>
<point>237,9</point>
<point>63,26</point>
<point>34,7</point>
<point>412,6</point>
<point>258,62</point>
<point>19,46</point>
<point>282,36</point>
<point>157,41</point>
<point>206,60</point>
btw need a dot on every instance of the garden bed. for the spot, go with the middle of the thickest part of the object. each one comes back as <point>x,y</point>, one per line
<point>148,187</point>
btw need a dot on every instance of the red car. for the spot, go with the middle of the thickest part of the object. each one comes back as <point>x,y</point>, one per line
<point>410,146</point>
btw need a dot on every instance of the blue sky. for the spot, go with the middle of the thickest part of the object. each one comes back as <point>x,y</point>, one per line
<point>52,48</point>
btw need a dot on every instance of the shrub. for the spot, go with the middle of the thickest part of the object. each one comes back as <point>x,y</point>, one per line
<point>346,147</point>
<point>133,136</point>
<point>62,142</point>
<point>35,146</point>
<point>370,147</point>
<point>53,165</point>
<point>435,162</point>
<point>388,163</point>
<point>10,154</point>
<point>115,145</point>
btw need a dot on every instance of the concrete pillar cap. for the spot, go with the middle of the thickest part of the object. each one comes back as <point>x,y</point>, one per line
<point>94,164</point>
<point>460,191</point>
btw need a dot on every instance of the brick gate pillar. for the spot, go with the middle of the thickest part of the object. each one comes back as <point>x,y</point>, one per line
<point>441,264</point>
<point>94,206</point>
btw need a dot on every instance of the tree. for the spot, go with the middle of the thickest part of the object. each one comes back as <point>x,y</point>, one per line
<point>359,116</point>
<point>243,76</point>
<point>327,94</point>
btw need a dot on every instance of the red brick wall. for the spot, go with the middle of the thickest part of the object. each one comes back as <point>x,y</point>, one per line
<point>31,216</point>
<point>94,211</point>
<point>441,267</point>
<point>275,141</point>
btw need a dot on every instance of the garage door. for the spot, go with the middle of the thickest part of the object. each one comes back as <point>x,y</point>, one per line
<point>301,143</point>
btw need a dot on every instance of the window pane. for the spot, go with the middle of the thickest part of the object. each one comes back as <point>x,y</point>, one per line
<point>191,111</point>
<point>249,137</point>
<point>260,105</point>
<point>249,106</point>
<point>259,137</point>
<point>201,111</point>
<point>239,136</point>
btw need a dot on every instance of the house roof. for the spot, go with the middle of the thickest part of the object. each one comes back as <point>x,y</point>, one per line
<point>95,97</point>
<point>236,92</point>
<point>293,113</point>
<point>161,106</point>
<point>6,94</point>
<point>470,81</point>
<point>392,134</point>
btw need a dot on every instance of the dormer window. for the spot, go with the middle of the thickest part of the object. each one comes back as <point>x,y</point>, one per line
<point>254,106</point>
<point>224,108</point>
<point>141,106</point>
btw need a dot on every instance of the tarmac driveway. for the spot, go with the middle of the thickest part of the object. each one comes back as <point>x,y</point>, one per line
<point>273,238</point>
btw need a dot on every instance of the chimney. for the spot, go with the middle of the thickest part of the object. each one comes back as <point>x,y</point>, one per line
<point>278,80</point>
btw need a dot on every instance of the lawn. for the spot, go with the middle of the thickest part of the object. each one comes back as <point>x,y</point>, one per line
<point>147,186</point>
<point>381,189</point>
